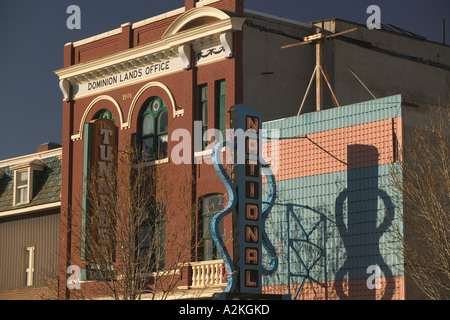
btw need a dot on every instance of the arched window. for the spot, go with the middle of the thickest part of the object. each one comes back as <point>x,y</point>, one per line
<point>151,237</point>
<point>210,205</point>
<point>154,127</point>
<point>105,114</point>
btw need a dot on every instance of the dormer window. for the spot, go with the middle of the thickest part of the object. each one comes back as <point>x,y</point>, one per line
<point>23,181</point>
<point>21,187</point>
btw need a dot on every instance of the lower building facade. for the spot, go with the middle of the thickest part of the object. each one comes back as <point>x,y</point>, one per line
<point>29,224</point>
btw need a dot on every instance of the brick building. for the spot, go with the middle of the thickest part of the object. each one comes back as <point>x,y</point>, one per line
<point>184,70</point>
<point>183,58</point>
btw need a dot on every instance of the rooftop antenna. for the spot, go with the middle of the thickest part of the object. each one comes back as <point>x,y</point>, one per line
<point>318,39</point>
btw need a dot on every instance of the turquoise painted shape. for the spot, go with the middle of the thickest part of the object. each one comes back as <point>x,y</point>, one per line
<point>267,208</point>
<point>215,221</point>
<point>344,217</point>
<point>84,201</point>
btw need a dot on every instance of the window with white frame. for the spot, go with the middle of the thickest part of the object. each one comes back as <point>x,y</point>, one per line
<point>29,265</point>
<point>210,205</point>
<point>154,127</point>
<point>21,189</point>
<point>23,181</point>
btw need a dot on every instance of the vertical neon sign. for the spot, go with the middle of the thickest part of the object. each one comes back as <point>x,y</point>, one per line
<point>245,269</point>
<point>247,179</point>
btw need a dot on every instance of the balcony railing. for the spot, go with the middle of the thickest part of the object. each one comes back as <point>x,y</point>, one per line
<point>207,273</point>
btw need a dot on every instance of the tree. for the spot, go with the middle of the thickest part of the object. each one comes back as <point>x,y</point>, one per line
<point>131,245</point>
<point>423,184</point>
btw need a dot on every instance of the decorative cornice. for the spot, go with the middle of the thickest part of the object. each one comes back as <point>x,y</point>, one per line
<point>209,52</point>
<point>174,44</point>
<point>145,54</point>
<point>64,85</point>
<point>185,55</point>
<point>226,39</point>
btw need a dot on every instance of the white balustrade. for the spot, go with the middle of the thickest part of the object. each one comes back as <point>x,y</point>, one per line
<point>207,273</point>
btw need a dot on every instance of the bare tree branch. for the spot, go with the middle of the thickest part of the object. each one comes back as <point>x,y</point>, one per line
<point>422,181</point>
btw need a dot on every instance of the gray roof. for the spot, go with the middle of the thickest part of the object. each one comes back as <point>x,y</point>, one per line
<point>46,186</point>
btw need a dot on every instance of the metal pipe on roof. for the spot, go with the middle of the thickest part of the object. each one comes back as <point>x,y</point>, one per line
<point>443,31</point>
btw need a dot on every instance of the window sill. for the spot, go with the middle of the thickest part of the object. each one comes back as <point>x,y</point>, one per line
<point>202,153</point>
<point>161,161</point>
<point>206,152</point>
<point>21,203</point>
<point>155,162</point>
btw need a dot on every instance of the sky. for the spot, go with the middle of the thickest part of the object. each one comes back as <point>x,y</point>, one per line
<point>33,34</point>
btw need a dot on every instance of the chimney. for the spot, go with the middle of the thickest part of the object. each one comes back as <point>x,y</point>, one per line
<point>189,4</point>
<point>231,5</point>
<point>237,6</point>
<point>48,146</point>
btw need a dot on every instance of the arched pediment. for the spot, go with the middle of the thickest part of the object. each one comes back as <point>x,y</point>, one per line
<point>194,18</point>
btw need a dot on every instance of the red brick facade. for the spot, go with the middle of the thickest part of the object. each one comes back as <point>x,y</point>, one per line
<point>29,293</point>
<point>183,87</point>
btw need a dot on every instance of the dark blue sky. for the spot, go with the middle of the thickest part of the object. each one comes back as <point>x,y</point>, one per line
<point>33,33</point>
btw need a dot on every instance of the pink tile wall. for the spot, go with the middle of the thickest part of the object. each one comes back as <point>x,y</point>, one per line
<point>326,152</point>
